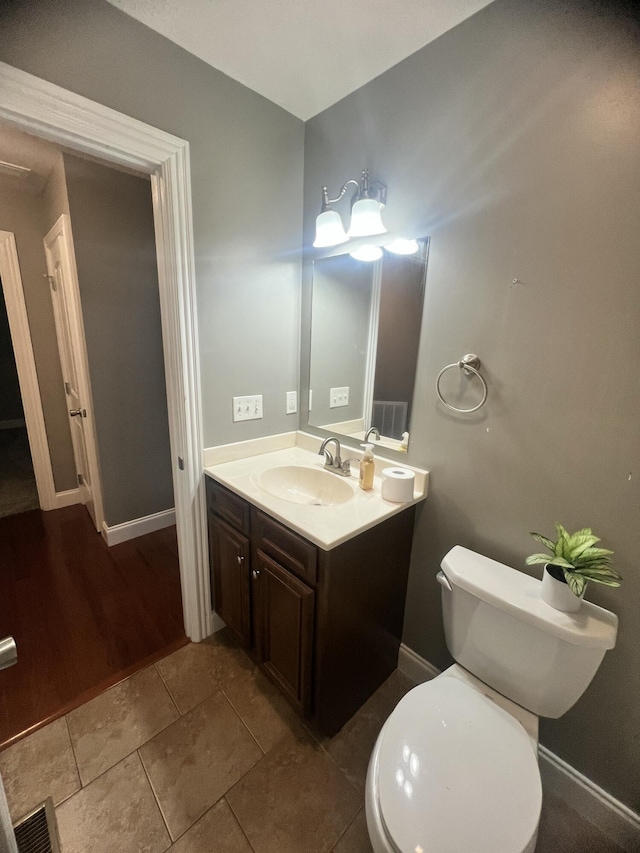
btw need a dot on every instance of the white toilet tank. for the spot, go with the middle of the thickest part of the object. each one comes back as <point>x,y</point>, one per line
<point>497,627</point>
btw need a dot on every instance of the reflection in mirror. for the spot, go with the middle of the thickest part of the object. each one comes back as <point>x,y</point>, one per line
<point>365,332</point>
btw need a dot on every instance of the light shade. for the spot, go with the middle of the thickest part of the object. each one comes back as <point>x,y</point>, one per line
<point>367,253</point>
<point>329,230</point>
<point>365,219</point>
<point>402,246</point>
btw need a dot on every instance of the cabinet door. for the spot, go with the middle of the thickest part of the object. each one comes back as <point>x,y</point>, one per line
<point>229,568</point>
<point>283,625</point>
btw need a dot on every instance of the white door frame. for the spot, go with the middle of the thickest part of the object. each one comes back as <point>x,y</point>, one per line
<point>78,345</point>
<point>48,111</point>
<point>26,368</point>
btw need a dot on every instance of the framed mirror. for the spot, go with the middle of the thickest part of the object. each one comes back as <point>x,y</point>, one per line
<point>366,318</point>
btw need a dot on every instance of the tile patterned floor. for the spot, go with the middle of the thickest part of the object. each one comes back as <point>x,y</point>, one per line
<point>200,753</point>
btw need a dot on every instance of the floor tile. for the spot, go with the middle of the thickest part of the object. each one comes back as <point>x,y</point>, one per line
<point>40,766</point>
<point>351,748</point>
<point>262,708</point>
<point>294,799</point>
<point>217,830</point>
<point>200,669</point>
<point>196,760</point>
<point>356,838</point>
<point>396,687</point>
<point>118,721</point>
<point>116,812</point>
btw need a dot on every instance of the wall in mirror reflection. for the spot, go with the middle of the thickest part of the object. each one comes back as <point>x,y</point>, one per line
<point>365,335</point>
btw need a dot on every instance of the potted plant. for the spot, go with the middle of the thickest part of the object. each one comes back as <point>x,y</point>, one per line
<point>574,561</point>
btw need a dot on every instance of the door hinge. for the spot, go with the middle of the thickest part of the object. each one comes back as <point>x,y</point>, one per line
<point>52,282</point>
<point>80,480</point>
<point>181,463</point>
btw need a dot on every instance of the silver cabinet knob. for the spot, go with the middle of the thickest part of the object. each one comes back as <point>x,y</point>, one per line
<point>8,652</point>
<point>256,573</point>
<point>240,560</point>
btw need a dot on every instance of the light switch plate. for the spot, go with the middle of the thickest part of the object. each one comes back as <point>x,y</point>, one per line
<point>247,408</point>
<point>292,402</point>
<point>338,397</point>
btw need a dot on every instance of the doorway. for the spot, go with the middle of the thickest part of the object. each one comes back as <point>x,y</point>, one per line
<point>53,113</point>
<point>18,490</point>
<point>85,614</point>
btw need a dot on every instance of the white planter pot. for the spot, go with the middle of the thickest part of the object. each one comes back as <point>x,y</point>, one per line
<point>557,594</point>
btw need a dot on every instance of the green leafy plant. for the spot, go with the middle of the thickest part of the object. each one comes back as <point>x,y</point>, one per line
<point>579,560</point>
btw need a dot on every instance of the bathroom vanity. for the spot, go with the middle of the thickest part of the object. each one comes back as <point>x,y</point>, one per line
<point>322,618</point>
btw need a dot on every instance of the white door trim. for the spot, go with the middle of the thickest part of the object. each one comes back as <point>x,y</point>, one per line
<point>48,111</point>
<point>78,346</point>
<point>26,367</point>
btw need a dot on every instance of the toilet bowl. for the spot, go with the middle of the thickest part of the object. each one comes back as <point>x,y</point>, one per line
<point>454,772</point>
<point>454,769</point>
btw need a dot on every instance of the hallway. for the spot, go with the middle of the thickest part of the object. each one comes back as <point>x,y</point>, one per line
<point>18,492</point>
<point>83,615</point>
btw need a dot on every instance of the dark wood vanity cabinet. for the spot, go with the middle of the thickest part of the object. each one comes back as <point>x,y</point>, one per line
<point>229,556</point>
<point>325,626</point>
<point>283,619</point>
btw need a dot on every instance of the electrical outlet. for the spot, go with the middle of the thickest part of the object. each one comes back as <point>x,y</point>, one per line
<point>292,402</point>
<point>247,408</point>
<point>338,397</point>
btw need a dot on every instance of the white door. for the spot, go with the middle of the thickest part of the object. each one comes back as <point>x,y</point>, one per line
<point>67,310</point>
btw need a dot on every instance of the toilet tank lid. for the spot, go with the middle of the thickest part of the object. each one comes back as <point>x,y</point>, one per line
<point>518,594</point>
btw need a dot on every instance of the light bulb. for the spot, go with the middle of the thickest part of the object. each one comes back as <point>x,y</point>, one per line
<point>367,253</point>
<point>402,246</point>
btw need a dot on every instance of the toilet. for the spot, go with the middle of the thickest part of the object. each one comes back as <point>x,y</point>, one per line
<point>454,769</point>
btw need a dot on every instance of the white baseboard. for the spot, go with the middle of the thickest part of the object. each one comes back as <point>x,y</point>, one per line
<point>217,622</point>
<point>68,498</point>
<point>415,667</point>
<point>138,527</point>
<point>613,818</point>
<point>610,816</point>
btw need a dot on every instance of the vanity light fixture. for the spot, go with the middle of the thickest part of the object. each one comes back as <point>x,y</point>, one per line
<point>365,213</point>
<point>402,246</point>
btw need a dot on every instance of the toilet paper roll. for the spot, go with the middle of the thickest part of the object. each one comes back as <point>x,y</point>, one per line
<point>397,484</point>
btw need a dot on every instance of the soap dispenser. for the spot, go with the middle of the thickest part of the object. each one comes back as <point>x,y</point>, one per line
<point>367,468</point>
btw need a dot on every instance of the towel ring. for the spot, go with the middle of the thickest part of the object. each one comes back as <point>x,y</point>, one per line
<point>470,365</point>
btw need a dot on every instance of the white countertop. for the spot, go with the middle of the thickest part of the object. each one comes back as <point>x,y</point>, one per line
<point>325,526</point>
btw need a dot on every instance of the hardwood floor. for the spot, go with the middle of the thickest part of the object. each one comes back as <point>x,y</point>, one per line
<point>83,615</point>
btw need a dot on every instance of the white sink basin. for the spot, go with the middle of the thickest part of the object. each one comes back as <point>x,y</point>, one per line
<point>301,485</point>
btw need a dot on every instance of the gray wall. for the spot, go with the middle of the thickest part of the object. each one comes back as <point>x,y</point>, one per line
<point>24,216</point>
<point>114,242</point>
<point>246,164</point>
<point>513,141</point>
<point>342,290</point>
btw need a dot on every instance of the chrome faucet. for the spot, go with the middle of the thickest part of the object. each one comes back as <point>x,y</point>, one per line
<point>375,432</point>
<point>333,462</point>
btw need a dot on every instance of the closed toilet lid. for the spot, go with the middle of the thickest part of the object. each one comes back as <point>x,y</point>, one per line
<point>456,774</point>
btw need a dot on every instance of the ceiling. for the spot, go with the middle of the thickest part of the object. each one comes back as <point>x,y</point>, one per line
<point>302,54</point>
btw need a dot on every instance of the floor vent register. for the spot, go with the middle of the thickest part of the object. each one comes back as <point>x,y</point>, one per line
<point>38,831</point>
